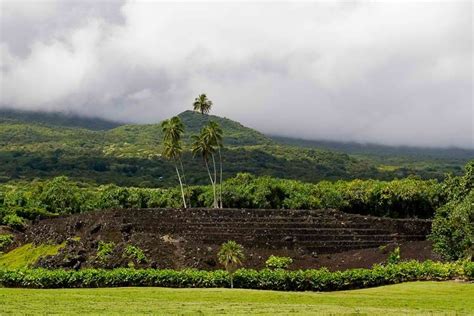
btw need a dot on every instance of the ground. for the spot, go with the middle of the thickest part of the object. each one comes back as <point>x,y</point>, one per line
<point>420,298</point>
<point>177,239</point>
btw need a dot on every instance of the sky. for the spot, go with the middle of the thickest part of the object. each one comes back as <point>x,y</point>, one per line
<point>388,72</point>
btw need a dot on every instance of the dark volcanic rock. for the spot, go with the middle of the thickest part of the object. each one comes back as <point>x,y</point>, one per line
<point>190,238</point>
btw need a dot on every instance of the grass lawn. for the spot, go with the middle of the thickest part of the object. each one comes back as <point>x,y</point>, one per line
<point>407,298</point>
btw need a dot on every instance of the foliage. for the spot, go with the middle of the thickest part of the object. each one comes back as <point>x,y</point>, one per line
<point>275,262</point>
<point>135,254</point>
<point>202,104</point>
<point>282,280</point>
<point>205,145</point>
<point>453,225</point>
<point>5,241</point>
<point>128,155</point>
<point>173,130</point>
<point>230,255</point>
<point>394,256</point>
<point>104,250</point>
<point>398,198</point>
<point>14,221</point>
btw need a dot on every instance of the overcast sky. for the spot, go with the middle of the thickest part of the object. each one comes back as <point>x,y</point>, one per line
<point>384,72</point>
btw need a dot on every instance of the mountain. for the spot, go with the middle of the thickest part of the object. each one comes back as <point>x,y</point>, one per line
<point>354,148</point>
<point>130,155</point>
<point>57,119</point>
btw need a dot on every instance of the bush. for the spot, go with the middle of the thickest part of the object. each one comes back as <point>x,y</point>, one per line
<point>104,250</point>
<point>135,254</point>
<point>282,280</point>
<point>453,229</point>
<point>275,262</point>
<point>5,241</point>
<point>453,226</point>
<point>14,221</point>
<point>394,256</point>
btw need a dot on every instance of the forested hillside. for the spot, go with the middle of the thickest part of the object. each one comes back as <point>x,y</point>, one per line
<point>43,147</point>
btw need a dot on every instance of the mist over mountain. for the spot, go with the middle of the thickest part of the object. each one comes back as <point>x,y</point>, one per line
<point>397,74</point>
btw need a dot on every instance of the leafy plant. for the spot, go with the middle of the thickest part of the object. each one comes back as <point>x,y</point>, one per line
<point>5,241</point>
<point>135,254</point>
<point>230,256</point>
<point>275,262</point>
<point>14,221</point>
<point>394,256</point>
<point>104,250</point>
<point>453,226</point>
<point>266,279</point>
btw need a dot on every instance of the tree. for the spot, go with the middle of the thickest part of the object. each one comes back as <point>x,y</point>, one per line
<point>231,256</point>
<point>202,104</point>
<point>213,133</point>
<point>172,150</point>
<point>202,146</point>
<point>452,230</point>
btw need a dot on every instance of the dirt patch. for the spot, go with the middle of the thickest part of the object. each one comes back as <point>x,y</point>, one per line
<point>191,238</point>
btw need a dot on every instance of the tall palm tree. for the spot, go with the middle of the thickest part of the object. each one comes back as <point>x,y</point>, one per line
<point>203,147</point>
<point>173,129</point>
<point>231,256</point>
<point>202,104</point>
<point>213,133</point>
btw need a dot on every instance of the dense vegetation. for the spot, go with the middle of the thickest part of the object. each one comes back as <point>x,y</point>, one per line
<point>453,225</point>
<point>397,198</point>
<point>129,155</point>
<point>266,279</point>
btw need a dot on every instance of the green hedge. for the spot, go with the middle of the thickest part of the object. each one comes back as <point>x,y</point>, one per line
<point>301,280</point>
<point>398,198</point>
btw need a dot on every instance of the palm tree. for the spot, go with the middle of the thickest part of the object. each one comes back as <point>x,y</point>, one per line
<point>172,150</point>
<point>213,132</point>
<point>202,104</point>
<point>230,256</point>
<point>202,146</point>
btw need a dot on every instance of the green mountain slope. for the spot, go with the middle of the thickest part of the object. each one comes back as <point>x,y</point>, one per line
<point>57,119</point>
<point>130,155</point>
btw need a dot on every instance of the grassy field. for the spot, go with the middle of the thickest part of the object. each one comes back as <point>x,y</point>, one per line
<point>409,298</point>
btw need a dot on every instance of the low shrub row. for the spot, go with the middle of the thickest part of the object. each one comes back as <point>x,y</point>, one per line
<point>279,279</point>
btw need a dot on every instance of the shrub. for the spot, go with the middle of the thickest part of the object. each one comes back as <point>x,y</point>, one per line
<point>5,241</point>
<point>453,226</point>
<point>104,250</point>
<point>453,229</point>
<point>275,262</point>
<point>394,256</point>
<point>135,254</point>
<point>282,280</point>
<point>14,221</point>
<point>61,196</point>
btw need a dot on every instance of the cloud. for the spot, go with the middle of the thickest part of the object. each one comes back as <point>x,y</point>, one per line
<point>392,73</point>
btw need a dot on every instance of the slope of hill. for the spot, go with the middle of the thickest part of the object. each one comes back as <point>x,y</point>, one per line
<point>130,155</point>
<point>57,119</point>
<point>354,148</point>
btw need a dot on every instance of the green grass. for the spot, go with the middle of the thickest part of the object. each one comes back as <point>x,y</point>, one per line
<point>407,298</point>
<point>28,254</point>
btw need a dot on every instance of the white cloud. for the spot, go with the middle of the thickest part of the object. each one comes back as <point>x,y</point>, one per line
<point>367,71</point>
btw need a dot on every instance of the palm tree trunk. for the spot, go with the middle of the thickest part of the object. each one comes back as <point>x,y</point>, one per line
<point>212,181</point>
<point>216,205</point>
<point>184,182</point>
<point>231,281</point>
<point>181,185</point>
<point>220,178</point>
